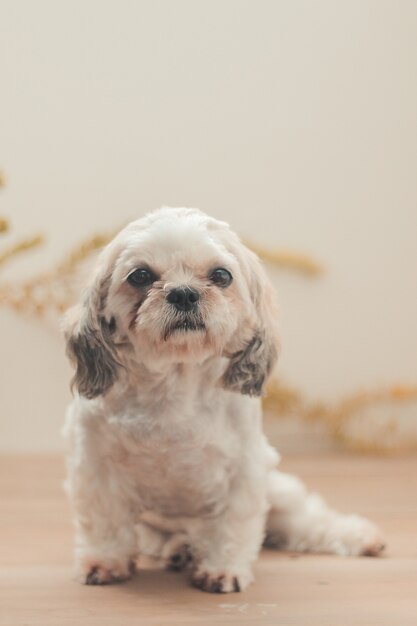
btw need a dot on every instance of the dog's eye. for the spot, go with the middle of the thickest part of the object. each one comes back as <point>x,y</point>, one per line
<point>141,278</point>
<point>221,277</point>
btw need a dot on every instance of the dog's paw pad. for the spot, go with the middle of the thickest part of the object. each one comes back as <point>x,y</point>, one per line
<point>101,575</point>
<point>179,560</point>
<point>220,582</point>
<point>97,576</point>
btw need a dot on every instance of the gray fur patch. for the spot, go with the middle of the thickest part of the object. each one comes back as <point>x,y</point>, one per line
<point>92,349</point>
<point>249,368</point>
<point>96,366</point>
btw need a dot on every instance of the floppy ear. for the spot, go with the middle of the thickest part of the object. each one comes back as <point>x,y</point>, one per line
<point>89,343</point>
<point>249,367</point>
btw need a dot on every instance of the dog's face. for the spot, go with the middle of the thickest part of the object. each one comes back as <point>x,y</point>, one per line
<point>175,286</point>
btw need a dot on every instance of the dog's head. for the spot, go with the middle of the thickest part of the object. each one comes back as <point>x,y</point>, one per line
<point>175,286</point>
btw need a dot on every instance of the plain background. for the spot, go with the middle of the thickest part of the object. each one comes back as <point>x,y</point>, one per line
<point>295,121</point>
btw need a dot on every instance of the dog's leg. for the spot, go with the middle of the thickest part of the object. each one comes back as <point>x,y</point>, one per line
<point>105,540</point>
<point>226,547</point>
<point>302,521</point>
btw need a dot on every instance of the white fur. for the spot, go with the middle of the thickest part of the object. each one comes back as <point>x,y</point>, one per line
<point>167,454</point>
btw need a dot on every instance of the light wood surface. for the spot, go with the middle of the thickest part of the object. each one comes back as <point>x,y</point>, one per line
<point>290,590</point>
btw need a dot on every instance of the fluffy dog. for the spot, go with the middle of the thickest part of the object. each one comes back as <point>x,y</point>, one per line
<point>172,346</point>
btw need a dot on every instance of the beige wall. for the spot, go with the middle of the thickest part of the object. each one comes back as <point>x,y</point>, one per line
<point>295,121</point>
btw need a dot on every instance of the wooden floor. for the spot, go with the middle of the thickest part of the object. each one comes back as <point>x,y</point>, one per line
<point>35,559</point>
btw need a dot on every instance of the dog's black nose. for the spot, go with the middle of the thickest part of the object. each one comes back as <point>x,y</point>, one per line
<point>183,298</point>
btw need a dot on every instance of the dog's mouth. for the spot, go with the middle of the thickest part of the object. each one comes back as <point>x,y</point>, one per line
<point>184,325</point>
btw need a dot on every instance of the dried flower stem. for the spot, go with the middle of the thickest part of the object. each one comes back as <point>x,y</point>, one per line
<point>21,246</point>
<point>288,259</point>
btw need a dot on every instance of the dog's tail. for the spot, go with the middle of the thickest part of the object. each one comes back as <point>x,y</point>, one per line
<point>302,521</point>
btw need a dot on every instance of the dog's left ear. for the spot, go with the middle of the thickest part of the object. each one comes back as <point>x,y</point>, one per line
<point>250,366</point>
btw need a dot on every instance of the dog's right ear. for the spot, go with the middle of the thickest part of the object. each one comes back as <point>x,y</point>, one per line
<point>90,346</point>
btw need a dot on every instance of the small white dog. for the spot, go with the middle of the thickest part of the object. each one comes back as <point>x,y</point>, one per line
<point>172,347</point>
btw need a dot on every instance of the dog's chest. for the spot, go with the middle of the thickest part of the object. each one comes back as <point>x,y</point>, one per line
<point>177,479</point>
<point>177,471</point>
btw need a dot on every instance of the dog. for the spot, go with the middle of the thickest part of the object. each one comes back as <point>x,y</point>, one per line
<point>172,346</point>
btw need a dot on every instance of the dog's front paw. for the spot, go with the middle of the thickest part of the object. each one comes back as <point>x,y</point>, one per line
<point>221,581</point>
<point>104,572</point>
